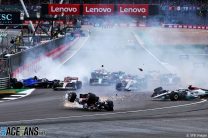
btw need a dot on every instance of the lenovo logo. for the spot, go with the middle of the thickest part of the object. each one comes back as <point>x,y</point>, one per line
<point>66,9</point>
<point>129,10</point>
<point>133,9</point>
<point>61,9</point>
<point>98,9</point>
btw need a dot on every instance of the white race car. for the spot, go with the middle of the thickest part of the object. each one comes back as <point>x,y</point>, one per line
<point>180,94</point>
<point>69,83</point>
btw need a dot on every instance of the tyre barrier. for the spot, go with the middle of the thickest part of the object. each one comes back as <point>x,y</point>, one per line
<point>4,83</point>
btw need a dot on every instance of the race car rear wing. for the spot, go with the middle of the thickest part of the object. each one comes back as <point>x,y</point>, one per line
<point>68,79</point>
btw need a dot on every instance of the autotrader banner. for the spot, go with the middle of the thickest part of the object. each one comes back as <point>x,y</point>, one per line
<point>65,9</point>
<point>10,18</point>
<point>98,9</point>
<point>133,9</point>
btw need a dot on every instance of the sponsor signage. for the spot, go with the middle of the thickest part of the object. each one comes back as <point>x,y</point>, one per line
<point>98,9</point>
<point>133,9</point>
<point>10,18</point>
<point>63,9</point>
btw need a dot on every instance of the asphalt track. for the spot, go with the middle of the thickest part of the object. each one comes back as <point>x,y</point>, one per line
<point>135,115</point>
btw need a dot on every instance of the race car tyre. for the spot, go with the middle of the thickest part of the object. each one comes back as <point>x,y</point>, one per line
<point>91,99</point>
<point>109,106</point>
<point>18,85</point>
<point>91,81</point>
<point>79,84</point>
<point>174,96</point>
<point>74,85</point>
<point>119,86</point>
<point>72,96</point>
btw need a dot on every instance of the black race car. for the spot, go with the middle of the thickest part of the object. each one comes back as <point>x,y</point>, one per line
<point>90,101</point>
<point>100,77</point>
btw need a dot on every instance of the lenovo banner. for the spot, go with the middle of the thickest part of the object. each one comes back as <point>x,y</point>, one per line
<point>98,9</point>
<point>63,9</point>
<point>10,18</point>
<point>133,9</point>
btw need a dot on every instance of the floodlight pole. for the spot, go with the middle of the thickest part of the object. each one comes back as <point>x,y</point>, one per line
<point>27,14</point>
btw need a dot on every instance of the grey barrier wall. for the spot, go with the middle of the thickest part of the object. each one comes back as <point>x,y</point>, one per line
<point>32,54</point>
<point>4,83</point>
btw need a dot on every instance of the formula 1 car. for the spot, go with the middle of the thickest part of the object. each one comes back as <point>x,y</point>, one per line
<point>131,83</point>
<point>35,82</point>
<point>100,77</point>
<point>180,94</point>
<point>90,101</point>
<point>69,83</point>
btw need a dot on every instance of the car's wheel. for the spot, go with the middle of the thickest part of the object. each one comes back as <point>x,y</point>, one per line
<point>174,96</point>
<point>18,85</point>
<point>91,81</point>
<point>119,86</point>
<point>73,85</point>
<point>79,84</point>
<point>72,96</point>
<point>109,106</point>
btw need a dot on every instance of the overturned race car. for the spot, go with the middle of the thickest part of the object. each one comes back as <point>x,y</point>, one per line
<point>180,94</point>
<point>90,101</point>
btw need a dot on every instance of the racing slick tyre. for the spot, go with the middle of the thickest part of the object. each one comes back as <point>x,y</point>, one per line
<point>91,99</point>
<point>79,84</point>
<point>109,106</point>
<point>18,85</point>
<point>72,96</point>
<point>174,96</point>
<point>74,85</point>
<point>119,86</point>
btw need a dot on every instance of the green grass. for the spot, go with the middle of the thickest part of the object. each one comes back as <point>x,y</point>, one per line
<point>7,91</point>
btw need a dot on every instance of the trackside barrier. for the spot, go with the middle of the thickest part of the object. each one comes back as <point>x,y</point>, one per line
<point>20,63</point>
<point>4,83</point>
<point>201,27</point>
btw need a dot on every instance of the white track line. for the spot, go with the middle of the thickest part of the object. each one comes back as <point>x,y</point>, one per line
<point>26,92</point>
<point>82,44</point>
<point>104,114</point>
<point>8,98</point>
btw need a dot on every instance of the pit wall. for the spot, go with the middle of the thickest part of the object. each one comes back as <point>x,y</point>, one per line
<point>28,62</point>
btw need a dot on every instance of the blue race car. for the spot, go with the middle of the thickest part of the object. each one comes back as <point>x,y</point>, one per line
<point>34,82</point>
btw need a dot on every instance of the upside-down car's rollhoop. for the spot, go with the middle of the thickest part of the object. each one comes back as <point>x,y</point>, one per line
<point>90,101</point>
